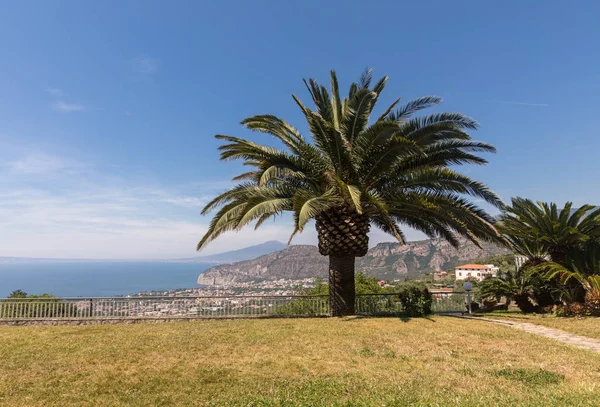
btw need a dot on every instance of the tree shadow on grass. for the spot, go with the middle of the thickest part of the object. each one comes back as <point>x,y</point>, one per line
<point>408,319</point>
<point>404,319</point>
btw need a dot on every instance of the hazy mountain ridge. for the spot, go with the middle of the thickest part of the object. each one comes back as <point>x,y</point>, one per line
<point>246,253</point>
<point>386,260</point>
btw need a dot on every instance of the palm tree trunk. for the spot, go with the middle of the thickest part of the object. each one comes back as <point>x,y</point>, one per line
<point>558,255</point>
<point>341,285</point>
<point>524,303</point>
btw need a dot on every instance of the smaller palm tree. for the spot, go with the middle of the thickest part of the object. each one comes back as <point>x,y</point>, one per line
<point>589,283</point>
<point>513,285</point>
<point>536,230</point>
<point>583,267</point>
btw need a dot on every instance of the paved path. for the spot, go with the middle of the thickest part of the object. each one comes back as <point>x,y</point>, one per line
<point>579,341</point>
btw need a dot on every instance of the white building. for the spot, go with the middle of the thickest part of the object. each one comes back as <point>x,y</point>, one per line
<point>478,271</point>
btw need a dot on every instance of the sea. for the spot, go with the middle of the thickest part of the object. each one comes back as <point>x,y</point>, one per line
<point>98,279</point>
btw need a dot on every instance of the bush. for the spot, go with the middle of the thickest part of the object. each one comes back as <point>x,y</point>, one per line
<point>592,303</point>
<point>574,309</point>
<point>300,307</point>
<point>377,305</point>
<point>17,294</point>
<point>416,301</point>
<point>489,302</point>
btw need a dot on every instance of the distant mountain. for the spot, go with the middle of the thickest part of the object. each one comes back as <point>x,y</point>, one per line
<point>246,253</point>
<point>386,260</point>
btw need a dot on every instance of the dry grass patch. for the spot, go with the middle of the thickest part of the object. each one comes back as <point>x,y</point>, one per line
<point>300,362</point>
<point>589,326</point>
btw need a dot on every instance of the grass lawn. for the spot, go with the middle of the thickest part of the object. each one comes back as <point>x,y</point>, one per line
<point>441,361</point>
<point>589,326</point>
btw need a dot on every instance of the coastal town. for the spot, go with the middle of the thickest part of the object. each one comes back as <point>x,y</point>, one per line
<point>282,286</point>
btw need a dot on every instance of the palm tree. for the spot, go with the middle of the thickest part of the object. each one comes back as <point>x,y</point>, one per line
<point>582,266</point>
<point>356,172</point>
<point>513,285</point>
<point>539,230</point>
<point>590,283</point>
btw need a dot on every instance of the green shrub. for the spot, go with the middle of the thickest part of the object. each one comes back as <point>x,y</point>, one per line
<point>573,309</point>
<point>17,294</point>
<point>489,302</point>
<point>416,301</point>
<point>592,303</point>
<point>300,307</point>
<point>561,311</point>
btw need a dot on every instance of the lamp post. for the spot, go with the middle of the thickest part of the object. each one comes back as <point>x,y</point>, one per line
<point>468,287</point>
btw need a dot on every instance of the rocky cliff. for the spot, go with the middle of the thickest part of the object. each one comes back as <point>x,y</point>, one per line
<point>294,262</point>
<point>386,260</point>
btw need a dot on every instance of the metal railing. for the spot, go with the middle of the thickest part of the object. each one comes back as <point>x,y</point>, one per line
<point>447,302</point>
<point>155,307</point>
<point>163,307</point>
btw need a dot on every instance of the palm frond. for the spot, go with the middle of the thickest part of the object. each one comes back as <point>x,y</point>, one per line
<point>321,99</point>
<point>443,180</point>
<point>336,103</point>
<point>413,106</point>
<point>387,111</point>
<point>257,208</point>
<point>356,118</point>
<point>307,206</point>
<point>365,78</point>
<point>355,196</point>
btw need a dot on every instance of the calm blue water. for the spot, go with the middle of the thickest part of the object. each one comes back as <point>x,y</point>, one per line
<point>99,279</point>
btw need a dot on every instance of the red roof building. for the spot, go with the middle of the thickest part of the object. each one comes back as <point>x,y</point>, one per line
<point>477,271</point>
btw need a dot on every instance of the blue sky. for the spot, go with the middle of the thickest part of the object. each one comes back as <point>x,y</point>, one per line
<point>108,109</point>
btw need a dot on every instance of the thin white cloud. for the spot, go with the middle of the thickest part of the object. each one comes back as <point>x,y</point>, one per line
<point>146,64</point>
<point>67,107</point>
<point>116,225</point>
<point>185,201</point>
<point>62,106</point>
<point>506,102</point>
<point>56,206</point>
<point>37,163</point>
<point>54,91</point>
